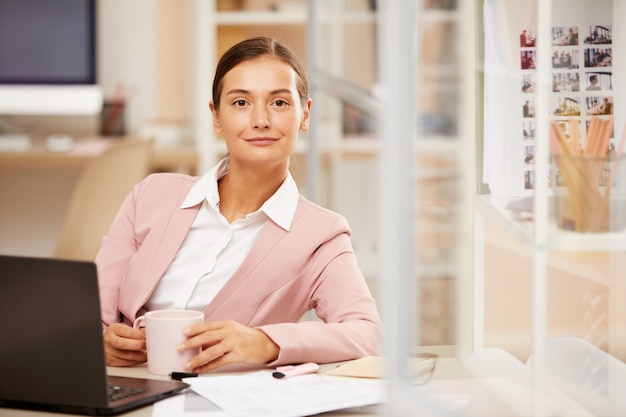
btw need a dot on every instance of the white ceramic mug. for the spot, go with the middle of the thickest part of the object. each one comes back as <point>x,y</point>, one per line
<point>164,332</point>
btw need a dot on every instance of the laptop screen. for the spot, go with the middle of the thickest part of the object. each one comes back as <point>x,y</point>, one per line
<point>50,311</point>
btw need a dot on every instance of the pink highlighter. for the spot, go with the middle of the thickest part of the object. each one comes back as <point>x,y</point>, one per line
<point>287,371</point>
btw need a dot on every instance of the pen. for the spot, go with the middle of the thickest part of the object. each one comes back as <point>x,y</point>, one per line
<point>178,376</point>
<point>284,372</point>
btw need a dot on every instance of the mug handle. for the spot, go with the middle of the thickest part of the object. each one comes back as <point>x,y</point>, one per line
<point>139,322</point>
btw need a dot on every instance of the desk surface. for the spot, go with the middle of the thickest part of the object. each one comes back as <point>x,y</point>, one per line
<point>27,229</point>
<point>146,411</point>
<point>482,404</point>
<point>183,157</point>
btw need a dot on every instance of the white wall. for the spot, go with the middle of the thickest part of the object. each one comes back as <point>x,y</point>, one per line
<point>33,201</point>
<point>127,54</point>
<point>127,42</point>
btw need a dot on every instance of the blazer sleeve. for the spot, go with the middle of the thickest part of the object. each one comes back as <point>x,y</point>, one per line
<point>143,238</point>
<point>349,325</point>
<point>118,247</point>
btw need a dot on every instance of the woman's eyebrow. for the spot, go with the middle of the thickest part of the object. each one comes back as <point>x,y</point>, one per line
<point>281,91</point>
<point>273,92</point>
<point>237,91</point>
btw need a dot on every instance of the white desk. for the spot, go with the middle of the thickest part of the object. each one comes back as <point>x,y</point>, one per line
<point>179,158</point>
<point>146,411</point>
<point>36,184</point>
<point>450,377</point>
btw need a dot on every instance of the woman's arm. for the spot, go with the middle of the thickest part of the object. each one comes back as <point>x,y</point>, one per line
<point>349,325</point>
<point>261,308</point>
<point>118,247</point>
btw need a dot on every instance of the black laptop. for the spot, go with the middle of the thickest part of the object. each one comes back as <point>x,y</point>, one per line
<point>51,352</point>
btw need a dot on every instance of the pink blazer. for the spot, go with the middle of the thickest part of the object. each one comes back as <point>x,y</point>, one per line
<point>312,266</point>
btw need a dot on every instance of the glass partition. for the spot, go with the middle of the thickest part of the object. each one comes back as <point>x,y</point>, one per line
<point>412,142</point>
<point>552,296</point>
<point>388,145</point>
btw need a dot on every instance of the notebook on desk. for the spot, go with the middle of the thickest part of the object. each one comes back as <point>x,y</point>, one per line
<point>51,354</point>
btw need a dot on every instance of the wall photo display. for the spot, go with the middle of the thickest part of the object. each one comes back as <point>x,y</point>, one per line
<point>584,50</point>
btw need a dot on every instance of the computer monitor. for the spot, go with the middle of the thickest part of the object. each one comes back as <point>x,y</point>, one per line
<point>48,57</point>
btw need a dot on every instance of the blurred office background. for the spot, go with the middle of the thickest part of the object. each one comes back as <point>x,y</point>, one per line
<point>465,272</point>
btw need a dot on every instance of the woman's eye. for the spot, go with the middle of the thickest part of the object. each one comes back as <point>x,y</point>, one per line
<point>240,103</point>
<point>281,103</point>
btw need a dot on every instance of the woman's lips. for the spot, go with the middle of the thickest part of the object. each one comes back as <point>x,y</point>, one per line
<point>261,141</point>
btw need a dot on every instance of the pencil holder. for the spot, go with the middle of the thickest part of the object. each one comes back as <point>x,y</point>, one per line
<point>590,192</point>
<point>112,119</point>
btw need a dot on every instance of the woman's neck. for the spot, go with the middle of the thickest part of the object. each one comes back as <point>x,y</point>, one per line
<point>243,191</point>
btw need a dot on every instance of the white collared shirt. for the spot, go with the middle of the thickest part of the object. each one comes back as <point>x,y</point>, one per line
<point>213,249</point>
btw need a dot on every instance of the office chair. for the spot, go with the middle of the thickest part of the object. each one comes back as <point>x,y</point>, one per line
<point>98,195</point>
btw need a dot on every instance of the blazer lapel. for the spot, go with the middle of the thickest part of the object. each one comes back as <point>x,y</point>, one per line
<point>172,238</point>
<point>270,236</point>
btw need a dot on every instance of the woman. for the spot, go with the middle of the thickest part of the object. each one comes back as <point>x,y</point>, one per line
<point>240,243</point>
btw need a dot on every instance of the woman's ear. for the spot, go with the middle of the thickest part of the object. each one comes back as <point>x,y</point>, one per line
<point>306,115</point>
<point>217,126</point>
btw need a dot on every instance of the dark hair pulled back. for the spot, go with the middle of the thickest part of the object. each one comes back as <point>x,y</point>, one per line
<point>255,48</point>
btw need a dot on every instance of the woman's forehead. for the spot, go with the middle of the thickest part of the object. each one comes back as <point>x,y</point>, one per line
<point>261,73</point>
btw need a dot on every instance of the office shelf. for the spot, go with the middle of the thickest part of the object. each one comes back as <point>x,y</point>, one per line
<point>558,240</point>
<point>257,18</point>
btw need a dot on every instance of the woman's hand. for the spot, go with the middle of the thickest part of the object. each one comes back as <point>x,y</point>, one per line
<point>227,342</point>
<point>124,346</point>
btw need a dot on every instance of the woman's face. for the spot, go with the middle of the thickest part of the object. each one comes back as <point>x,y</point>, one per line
<point>260,112</point>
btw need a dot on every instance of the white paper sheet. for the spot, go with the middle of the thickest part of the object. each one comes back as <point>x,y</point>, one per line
<point>258,394</point>
<point>187,404</point>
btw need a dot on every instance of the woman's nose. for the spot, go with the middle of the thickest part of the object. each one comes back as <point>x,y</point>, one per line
<point>260,118</point>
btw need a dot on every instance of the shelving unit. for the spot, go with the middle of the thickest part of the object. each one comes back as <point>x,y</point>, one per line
<point>441,261</point>
<point>589,259</point>
<point>496,208</point>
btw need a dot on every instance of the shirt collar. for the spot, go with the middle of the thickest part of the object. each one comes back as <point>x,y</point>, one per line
<point>206,187</point>
<point>280,207</point>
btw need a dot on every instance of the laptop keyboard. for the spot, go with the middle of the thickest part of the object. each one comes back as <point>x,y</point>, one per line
<point>117,392</point>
